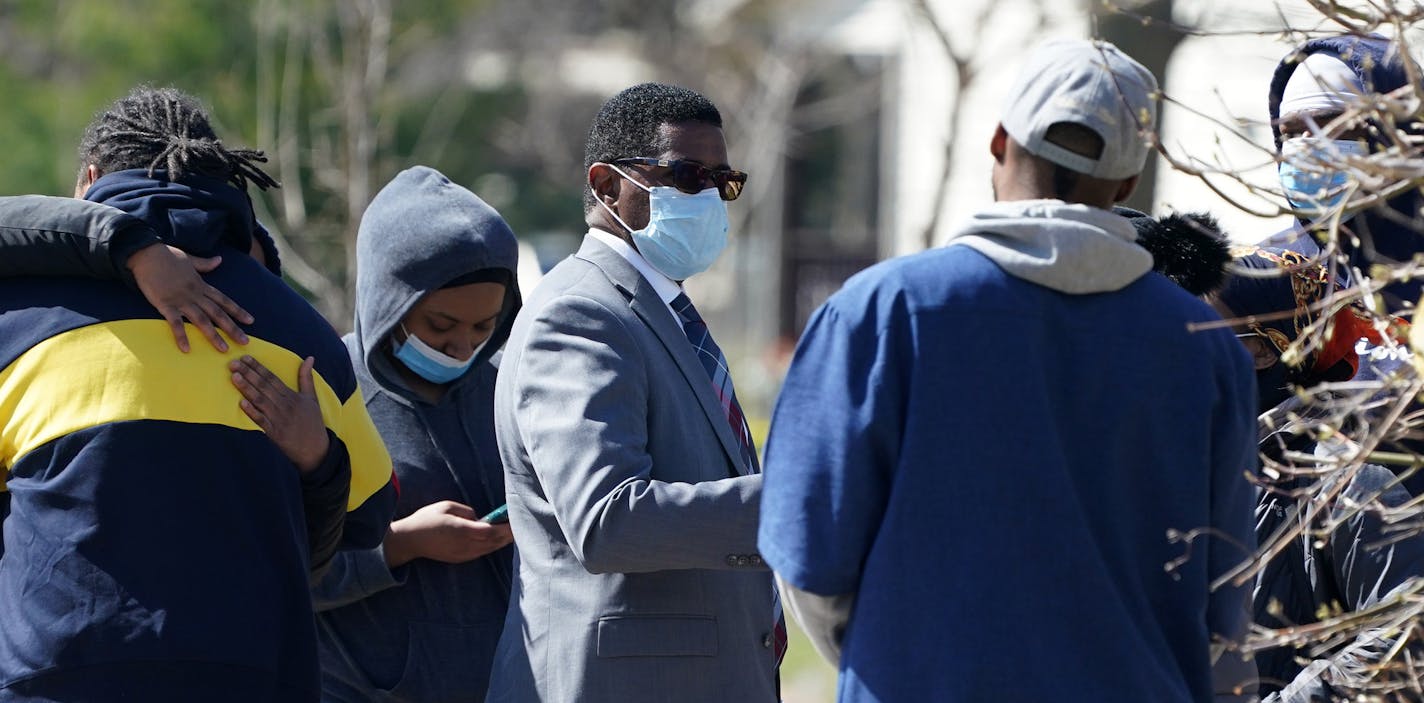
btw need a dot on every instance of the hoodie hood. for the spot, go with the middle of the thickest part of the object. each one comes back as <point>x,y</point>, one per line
<point>421,232</point>
<point>1370,58</point>
<point>1074,249</point>
<point>196,214</point>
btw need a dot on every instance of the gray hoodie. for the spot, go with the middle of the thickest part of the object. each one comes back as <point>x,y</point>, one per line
<point>1070,248</point>
<point>426,630</point>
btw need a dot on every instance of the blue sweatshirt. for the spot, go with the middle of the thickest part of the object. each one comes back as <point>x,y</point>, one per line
<point>425,631</point>
<point>992,468</point>
<point>156,548</point>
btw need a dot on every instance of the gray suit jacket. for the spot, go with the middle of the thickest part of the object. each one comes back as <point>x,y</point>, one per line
<point>638,577</point>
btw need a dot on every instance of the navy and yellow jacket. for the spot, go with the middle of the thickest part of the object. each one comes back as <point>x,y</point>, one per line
<point>156,544</point>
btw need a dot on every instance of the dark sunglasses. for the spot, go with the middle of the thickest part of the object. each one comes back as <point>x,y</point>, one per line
<point>691,177</point>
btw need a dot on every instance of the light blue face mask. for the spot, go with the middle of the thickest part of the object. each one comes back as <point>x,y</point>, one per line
<point>1310,171</point>
<point>685,233</point>
<point>431,364</point>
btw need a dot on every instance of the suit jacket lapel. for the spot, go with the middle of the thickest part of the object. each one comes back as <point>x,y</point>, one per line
<point>646,304</point>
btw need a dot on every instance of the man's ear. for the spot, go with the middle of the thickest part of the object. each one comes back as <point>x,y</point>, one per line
<point>1125,188</point>
<point>999,143</point>
<point>87,176</point>
<point>605,183</point>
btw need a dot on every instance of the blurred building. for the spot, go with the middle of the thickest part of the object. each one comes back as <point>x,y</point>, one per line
<point>864,159</point>
<point>882,95</point>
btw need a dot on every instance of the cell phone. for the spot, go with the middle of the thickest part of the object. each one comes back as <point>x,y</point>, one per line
<point>498,515</point>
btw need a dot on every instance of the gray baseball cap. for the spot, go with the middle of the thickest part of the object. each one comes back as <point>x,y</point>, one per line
<point>1089,83</point>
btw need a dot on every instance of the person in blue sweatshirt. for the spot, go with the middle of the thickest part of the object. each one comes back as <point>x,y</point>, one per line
<point>981,452</point>
<point>161,535</point>
<point>417,618</point>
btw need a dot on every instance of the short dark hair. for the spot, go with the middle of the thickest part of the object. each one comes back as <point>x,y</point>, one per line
<point>1065,181</point>
<point>165,128</point>
<point>1077,139</point>
<point>627,125</point>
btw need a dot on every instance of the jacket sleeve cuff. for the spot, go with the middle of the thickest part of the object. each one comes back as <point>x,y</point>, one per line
<point>330,467</point>
<point>356,574</point>
<point>124,244</point>
<point>325,490</point>
<point>371,573</point>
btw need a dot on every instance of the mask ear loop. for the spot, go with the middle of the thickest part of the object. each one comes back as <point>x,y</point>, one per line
<point>605,205</point>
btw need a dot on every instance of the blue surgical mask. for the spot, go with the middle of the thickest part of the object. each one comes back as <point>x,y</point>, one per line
<point>685,233</point>
<point>1311,173</point>
<point>431,364</point>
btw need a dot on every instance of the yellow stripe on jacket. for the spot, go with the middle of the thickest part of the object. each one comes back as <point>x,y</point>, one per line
<point>131,370</point>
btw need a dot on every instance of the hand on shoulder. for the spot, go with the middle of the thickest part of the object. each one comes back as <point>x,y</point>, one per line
<point>171,280</point>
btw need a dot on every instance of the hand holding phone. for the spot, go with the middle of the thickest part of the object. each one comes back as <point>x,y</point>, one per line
<point>498,515</point>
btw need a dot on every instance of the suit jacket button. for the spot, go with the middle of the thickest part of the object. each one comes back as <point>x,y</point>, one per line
<point>731,560</point>
<point>766,640</point>
<point>756,559</point>
<point>742,560</point>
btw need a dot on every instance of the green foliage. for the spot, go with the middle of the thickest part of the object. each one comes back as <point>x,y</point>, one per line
<point>528,199</point>
<point>63,61</point>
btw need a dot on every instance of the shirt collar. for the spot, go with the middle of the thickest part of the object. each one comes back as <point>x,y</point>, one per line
<point>665,287</point>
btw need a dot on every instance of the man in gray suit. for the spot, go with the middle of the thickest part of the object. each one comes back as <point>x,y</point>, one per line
<point>633,486</point>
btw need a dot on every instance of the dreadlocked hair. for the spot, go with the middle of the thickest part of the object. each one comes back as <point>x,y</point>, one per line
<point>165,128</point>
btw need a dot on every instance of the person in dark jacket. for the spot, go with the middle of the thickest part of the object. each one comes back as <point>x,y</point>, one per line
<point>1359,564</point>
<point>1320,80</point>
<point>157,546</point>
<point>417,618</point>
<point>49,236</point>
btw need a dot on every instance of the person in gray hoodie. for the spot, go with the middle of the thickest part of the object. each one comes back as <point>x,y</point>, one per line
<point>417,618</point>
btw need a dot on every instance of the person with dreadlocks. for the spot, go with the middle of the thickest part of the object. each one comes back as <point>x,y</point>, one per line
<point>47,236</point>
<point>167,507</point>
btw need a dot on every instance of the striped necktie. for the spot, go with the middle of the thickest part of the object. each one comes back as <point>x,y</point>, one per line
<point>715,364</point>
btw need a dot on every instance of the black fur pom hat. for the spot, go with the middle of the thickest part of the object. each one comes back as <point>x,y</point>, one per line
<point>1188,248</point>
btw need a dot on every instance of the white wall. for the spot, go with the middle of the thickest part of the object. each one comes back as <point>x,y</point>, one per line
<point>927,88</point>
<point>1224,76</point>
<point>1227,78</point>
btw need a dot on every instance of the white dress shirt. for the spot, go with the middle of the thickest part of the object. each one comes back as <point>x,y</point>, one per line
<point>665,287</point>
